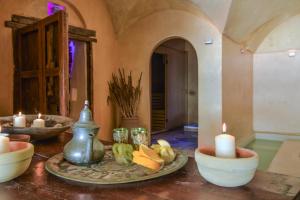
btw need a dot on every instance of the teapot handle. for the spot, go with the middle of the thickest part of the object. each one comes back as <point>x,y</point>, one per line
<point>89,148</point>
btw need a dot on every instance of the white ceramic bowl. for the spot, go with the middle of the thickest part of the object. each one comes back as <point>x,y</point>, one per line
<point>15,162</point>
<point>226,172</point>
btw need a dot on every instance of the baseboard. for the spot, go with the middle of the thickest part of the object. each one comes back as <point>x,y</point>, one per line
<point>245,141</point>
<point>265,135</point>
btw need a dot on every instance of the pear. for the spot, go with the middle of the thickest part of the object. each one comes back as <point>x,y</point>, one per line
<point>156,148</point>
<point>167,154</point>
<point>165,151</point>
<point>163,143</point>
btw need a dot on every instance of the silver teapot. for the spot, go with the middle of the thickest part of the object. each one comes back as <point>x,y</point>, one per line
<point>84,148</point>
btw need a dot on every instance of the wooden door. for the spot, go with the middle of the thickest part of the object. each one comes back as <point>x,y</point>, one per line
<point>158,92</point>
<point>41,67</point>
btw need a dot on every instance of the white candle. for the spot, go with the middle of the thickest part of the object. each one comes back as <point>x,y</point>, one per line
<point>19,120</point>
<point>38,122</point>
<point>4,144</point>
<point>225,145</point>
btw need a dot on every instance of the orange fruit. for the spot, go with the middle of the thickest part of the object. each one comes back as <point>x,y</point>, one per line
<point>150,153</point>
<point>146,162</point>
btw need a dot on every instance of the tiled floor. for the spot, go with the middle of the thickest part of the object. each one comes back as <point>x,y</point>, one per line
<point>180,139</point>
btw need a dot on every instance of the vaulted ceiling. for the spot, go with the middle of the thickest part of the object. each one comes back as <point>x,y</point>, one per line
<point>244,21</point>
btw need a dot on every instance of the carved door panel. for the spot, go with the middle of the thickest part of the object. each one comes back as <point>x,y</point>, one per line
<point>41,72</point>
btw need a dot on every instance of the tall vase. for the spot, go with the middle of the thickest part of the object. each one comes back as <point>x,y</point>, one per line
<point>130,123</point>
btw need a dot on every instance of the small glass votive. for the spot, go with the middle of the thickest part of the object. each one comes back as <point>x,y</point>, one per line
<point>139,136</point>
<point>120,135</point>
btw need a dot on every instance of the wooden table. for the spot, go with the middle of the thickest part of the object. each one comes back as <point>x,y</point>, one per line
<point>37,183</point>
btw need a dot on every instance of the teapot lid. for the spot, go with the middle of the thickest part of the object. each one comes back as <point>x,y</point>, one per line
<point>86,119</point>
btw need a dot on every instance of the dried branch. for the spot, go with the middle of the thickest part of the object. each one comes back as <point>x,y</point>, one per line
<point>124,94</point>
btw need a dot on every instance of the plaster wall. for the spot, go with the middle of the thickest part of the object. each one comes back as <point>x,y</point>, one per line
<point>139,41</point>
<point>283,37</point>
<point>276,93</point>
<point>276,81</point>
<point>237,76</point>
<point>92,15</point>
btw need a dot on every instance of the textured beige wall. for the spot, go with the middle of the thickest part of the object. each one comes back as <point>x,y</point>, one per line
<point>237,76</point>
<point>283,37</point>
<point>250,21</point>
<point>138,43</point>
<point>96,17</point>
<point>276,93</point>
<point>276,80</point>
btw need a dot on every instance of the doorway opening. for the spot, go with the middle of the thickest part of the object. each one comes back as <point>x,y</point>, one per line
<point>80,76</point>
<point>174,91</point>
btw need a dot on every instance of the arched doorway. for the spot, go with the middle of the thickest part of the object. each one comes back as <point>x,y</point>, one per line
<point>174,93</point>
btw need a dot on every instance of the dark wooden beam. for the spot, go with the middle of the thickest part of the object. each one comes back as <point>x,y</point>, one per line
<point>81,38</point>
<point>24,20</point>
<point>13,25</point>
<point>18,21</point>
<point>81,31</point>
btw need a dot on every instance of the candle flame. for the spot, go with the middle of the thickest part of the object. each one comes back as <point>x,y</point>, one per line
<point>224,128</point>
<point>20,113</point>
<point>39,115</point>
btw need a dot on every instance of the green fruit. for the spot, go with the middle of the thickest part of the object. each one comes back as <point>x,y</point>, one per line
<point>123,153</point>
<point>167,154</point>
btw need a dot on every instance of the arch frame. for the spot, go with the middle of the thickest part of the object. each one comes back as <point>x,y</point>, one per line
<point>137,45</point>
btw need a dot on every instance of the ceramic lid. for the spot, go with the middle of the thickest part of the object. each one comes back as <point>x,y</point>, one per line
<point>86,119</point>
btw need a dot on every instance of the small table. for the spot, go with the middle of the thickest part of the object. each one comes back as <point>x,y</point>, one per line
<point>36,183</point>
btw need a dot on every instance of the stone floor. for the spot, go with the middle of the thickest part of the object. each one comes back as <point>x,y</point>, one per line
<point>287,160</point>
<point>180,139</point>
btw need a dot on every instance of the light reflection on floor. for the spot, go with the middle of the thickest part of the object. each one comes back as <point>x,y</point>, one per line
<point>266,150</point>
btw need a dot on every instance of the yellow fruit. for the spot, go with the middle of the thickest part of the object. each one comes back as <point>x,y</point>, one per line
<point>167,154</point>
<point>163,143</point>
<point>150,153</point>
<point>156,148</point>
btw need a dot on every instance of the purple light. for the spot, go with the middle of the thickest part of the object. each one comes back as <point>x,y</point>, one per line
<point>53,8</point>
<point>71,57</point>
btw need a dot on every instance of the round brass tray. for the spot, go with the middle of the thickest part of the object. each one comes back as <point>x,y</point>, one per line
<point>108,171</point>
<point>38,133</point>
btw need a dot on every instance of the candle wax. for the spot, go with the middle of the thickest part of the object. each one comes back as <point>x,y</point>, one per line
<point>225,146</point>
<point>4,144</point>
<point>19,120</point>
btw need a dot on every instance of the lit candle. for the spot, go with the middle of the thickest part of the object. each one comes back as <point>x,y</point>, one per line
<point>38,122</point>
<point>225,144</point>
<point>19,120</point>
<point>4,143</point>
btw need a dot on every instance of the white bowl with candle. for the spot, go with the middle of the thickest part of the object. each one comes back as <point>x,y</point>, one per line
<point>226,172</point>
<point>16,161</point>
<point>45,127</point>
